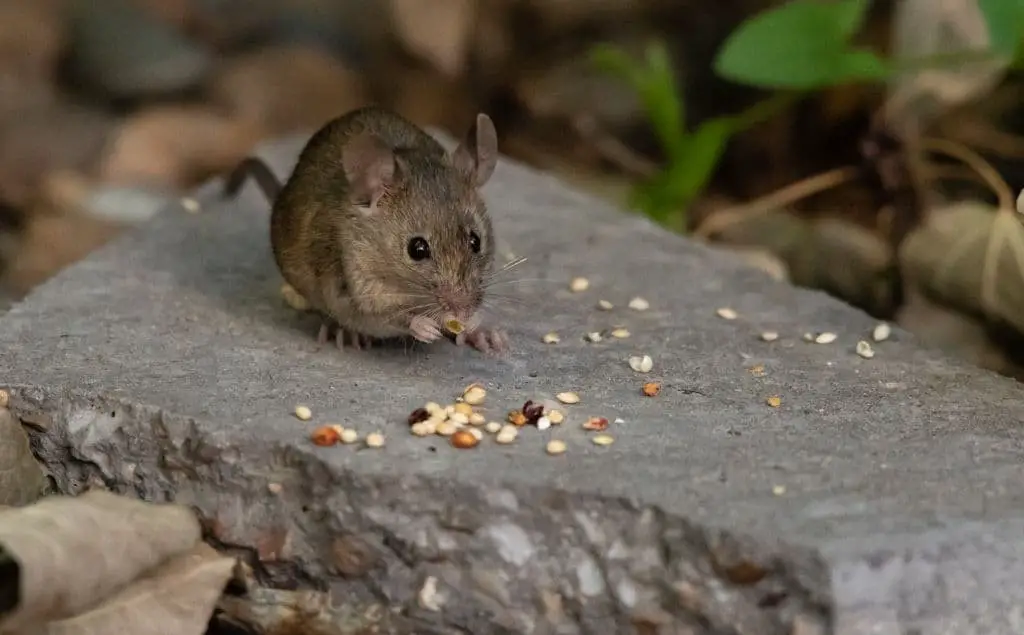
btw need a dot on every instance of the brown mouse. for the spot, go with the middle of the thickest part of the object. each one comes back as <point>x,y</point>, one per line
<point>384,232</point>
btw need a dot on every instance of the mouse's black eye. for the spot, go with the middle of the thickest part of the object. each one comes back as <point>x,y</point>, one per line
<point>474,242</point>
<point>418,248</point>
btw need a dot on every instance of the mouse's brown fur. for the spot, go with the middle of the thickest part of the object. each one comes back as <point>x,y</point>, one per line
<point>365,188</point>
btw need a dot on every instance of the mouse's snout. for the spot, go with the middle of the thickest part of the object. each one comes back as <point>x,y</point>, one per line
<point>459,305</point>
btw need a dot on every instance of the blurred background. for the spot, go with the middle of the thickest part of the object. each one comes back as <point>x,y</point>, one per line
<point>867,149</point>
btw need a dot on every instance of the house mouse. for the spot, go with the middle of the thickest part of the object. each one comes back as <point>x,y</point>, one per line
<point>385,233</point>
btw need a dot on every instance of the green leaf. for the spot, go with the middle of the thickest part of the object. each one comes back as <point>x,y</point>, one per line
<point>1005,20</point>
<point>704,148</point>
<point>664,106</point>
<point>802,44</point>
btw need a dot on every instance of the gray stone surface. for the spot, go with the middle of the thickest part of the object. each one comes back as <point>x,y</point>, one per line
<point>167,366</point>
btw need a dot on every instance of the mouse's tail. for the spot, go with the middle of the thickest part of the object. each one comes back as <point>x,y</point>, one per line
<point>267,181</point>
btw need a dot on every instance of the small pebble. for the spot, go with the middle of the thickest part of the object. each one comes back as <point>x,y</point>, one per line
<point>642,364</point>
<point>556,417</point>
<point>864,349</point>
<point>458,419</point>
<point>726,313</point>
<point>825,338</point>
<point>543,423</point>
<point>593,337</point>
<point>552,338</point>
<point>493,427</point>
<point>605,305</point>
<point>639,304</point>
<point>474,395</point>
<point>568,397</point>
<point>579,284</point>
<point>447,428</point>
<point>769,336</point>
<point>375,440</point>
<point>477,419</point>
<point>555,446</point>
<point>881,332</point>
<point>303,413</point>
<point>603,439</point>
<point>349,436</point>
<point>507,434</point>
<point>620,333</point>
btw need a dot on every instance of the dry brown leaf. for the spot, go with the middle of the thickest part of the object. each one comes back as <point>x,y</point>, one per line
<point>177,597</point>
<point>74,552</point>
<point>437,31</point>
<point>22,480</point>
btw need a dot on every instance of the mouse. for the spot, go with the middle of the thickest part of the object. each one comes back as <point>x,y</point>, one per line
<point>384,232</point>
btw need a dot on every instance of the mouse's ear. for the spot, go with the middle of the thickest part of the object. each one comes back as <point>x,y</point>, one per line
<point>477,155</point>
<point>369,167</point>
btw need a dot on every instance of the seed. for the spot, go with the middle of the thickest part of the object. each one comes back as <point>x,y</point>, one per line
<point>349,436</point>
<point>458,419</point>
<point>543,423</point>
<point>603,439</point>
<point>463,408</point>
<point>778,490</point>
<point>477,419</point>
<point>619,420</point>
<point>555,446</point>
<point>506,435</point>
<point>474,395</point>
<point>726,313</point>
<point>475,432</point>
<point>651,389</point>
<point>568,397</point>
<point>418,415</point>
<point>825,338</point>
<point>449,410</point>
<point>774,401</point>
<point>864,350</point>
<point>605,305</point>
<point>596,423</point>
<point>430,425</point>
<point>492,427</point>
<point>337,428</point>
<point>433,408</point>
<point>375,440</point>
<point>641,364</point>
<point>639,304</point>
<point>620,333</point>
<point>422,429</point>
<point>556,417</point>
<point>454,326</point>
<point>5,398</point>
<point>325,436</point>
<point>292,298</point>
<point>593,337</point>
<point>881,332</point>
<point>274,488</point>
<point>190,204</point>
<point>552,338</point>
<point>769,336</point>
<point>532,411</point>
<point>303,413</point>
<point>808,337</point>
<point>464,439</point>
<point>757,370</point>
<point>447,428</point>
<point>517,418</point>
<point>579,284</point>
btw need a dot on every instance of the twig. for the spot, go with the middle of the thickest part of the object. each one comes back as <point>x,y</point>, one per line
<point>975,161</point>
<point>612,149</point>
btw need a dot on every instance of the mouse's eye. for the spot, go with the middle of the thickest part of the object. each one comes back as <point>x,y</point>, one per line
<point>418,249</point>
<point>474,242</point>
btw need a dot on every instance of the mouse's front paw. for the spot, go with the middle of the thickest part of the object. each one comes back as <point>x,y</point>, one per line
<point>424,329</point>
<point>486,340</point>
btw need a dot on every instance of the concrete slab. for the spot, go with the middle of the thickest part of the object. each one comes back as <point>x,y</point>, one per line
<point>882,496</point>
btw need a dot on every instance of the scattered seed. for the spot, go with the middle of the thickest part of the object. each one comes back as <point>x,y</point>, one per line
<point>543,423</point>
<point>458,419</point>
<point>190,204</point>
<point>808,337</point>
<point>303,413</point>
<point>642,364</point>
<point>639,304</point>
<point>864,349</point>
<point>433,408</point>
<point>349,436</point>
<point>882,332</point>
<point>274,488</point>
<point>726,313</point>
<point>325,436</point>
<point>769,336</point>
<point>552,338</point>
<point>778,490</point>
<point>507,434</point>
<point>579,284</point>
<point>825,338</point>
<point>620,333</point>
<point>422,429</point>
<point>603,439</point>
<point>555,446</point>
<point>492,427</point>
<point>464,409</point>
<point>568,397</point>
<point>757,370</point>
<point>418,415</point>
<point>516,418</point>
<point>774,401</point>
<point>464,439</point>
<point>556,417</point>
<point>428,596</point>
<point>593,337</point>
<point>447,428</point>
<point>596,423</point>
<point>651,389</point>
<point>430,426</point>
<point>619,420</point>
<point>474,395</point>
<point>337,428</point>
<point>477,419</point>
<point>449,410</point>
<point>293,299</point>
<point>605,305</point>
<point>476,433</point>
<point>532,411</point>
<point>375,440</point>
<point>5,398</point>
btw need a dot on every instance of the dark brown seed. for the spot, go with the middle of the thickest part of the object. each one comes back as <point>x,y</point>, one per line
<point>418,415</point>
<point>533,411</point>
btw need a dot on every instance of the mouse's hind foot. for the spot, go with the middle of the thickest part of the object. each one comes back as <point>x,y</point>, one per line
<point>486,340</point>
<point>342,337</point>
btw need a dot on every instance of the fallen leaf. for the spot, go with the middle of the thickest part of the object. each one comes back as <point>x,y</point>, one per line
<point>177,597</point>
<point>73,552</point>
<point>22,480</point>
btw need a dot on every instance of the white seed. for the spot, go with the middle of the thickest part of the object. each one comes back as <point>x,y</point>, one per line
<point>447,428</point>
<point>349,436</point>
<point>428,596</point>
<point>375,440</point>
<point>579,284</point>
<point>593,337</point>
<point>507,434</point>
<point>778,490</point>
<point>543,423</point>
<point>433,408</point>
<point>568,397</point>
<point>303,413</point>
<point>474,395</point>
<point>620,333</point>
<point>556,417</point>
<point>458,419</point>
<point>605,305</point>
<point>769,336</point>
<point>726,313</point>
<point>493,427</point>
<point>477,419</point>
<point>190,204</point>
<point>639,304</point>
<point>864,349</point>
<point>430,425</point>
<point>275,488</point>
<point>881,332</point>
<point>603,439</point>
<point>619,420</point>
<point>476,433</point>
<point>642,364</point>
<point>808,337</point>
<point>555,446</point>
<point>825,338</point>
<point>449,410</point>
<point>552,338</point>
<point>421,430</point>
